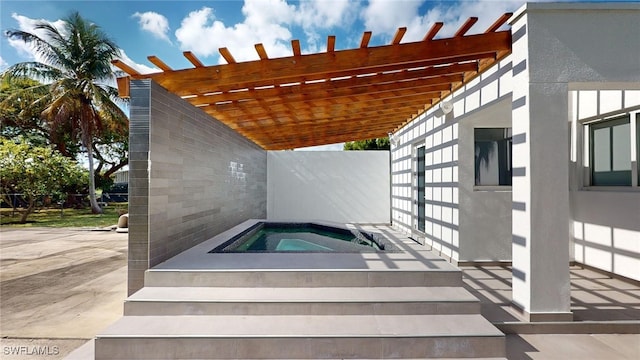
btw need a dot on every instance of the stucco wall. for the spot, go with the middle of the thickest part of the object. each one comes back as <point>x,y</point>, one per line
<point>555,54</point>
<point>485,212</point>
<point>606,231</point>
<point>606,221</point>
<point>191,177</point>
<point>462,222</point>
<point>562,47</point>
<point>349,186</point>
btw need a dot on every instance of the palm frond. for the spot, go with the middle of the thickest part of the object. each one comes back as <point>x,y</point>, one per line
<point>41,46</point>
<point>33,70</point>
<point>112,115</point>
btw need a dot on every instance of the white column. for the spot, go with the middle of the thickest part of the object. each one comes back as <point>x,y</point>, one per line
<point>541,215</point>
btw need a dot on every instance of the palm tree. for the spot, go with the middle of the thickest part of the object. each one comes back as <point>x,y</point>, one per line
<point>75,68</point>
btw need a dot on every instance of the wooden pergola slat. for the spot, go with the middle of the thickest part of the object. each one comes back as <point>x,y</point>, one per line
<point>337,95</point>
<point>226,54</point>
<point>433,31</point>
<point>193,59</point>
<point>159,63</point>
<point>208,88</point>
<point>329,90</point>
<point>398,36</point>
<point>262,53</point>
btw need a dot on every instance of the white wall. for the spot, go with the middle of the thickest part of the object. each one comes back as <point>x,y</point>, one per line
<point>606,231</point>
<point>557,48</point>
<point>485,212</point>
<point>606,221</point>
<point>462,222</point>
<point>340,186</point>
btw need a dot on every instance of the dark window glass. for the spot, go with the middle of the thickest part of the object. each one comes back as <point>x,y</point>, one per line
<point>492,156</point>
<point>610,147</point>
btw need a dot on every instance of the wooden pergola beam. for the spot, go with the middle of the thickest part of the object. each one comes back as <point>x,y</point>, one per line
<point>159,63</point>
<point>466,26</point>
<point>381,92</point>
<point>262,53</point>
<point>193,59</point>
<point>205,87</point>
<point>433,31</point>
<point>242,112</point>
<point>398,36</point>
<point>226,54</point>
<point>333,96</point>
<point>408,54</point>
<point>366,37</point>
<point>339,88</point>
<point>295,47</point>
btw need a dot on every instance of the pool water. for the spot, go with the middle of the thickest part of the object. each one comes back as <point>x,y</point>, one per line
<point>271,237</point>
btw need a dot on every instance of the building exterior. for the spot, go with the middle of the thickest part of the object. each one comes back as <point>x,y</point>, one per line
<point>535,162</point>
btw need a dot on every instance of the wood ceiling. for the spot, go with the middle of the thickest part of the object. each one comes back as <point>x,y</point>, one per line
<point>334,96</point>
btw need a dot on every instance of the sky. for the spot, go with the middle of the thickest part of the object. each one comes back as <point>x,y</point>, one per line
<point>167,28</point>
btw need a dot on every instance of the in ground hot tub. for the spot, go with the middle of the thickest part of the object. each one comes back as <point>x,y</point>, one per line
<point>303,237</point>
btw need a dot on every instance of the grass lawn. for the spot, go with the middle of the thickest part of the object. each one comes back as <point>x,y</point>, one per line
<point>71,217</point>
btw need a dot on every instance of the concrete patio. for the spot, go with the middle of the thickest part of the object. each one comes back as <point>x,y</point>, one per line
<point>41,267</point>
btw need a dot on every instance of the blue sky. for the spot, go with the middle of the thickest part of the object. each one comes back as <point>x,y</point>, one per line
<point>166,28</point>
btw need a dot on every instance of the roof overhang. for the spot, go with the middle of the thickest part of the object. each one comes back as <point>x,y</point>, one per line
<point>334,96</point>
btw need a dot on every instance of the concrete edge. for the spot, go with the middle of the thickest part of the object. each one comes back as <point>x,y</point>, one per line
<point>572,327</point>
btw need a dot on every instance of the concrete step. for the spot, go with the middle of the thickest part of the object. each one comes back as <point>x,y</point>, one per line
<point>301,301</point>
<point>300,337</point>
<point>302,278</point>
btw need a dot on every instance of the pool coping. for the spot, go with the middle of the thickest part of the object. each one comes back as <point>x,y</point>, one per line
<point>381,242</point>
<point>410,257</point>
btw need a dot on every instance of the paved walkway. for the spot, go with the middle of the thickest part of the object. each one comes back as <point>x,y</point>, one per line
<point>599,304</point>
<point>60,287</point>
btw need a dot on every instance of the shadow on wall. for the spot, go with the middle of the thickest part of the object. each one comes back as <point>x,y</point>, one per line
<point>331,186</point>
<point>606,231</point>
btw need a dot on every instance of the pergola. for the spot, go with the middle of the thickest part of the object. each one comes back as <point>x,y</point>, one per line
<point>334,96</point>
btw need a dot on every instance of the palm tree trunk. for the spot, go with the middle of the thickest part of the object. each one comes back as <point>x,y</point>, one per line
<point>85,124</point>
<point>95,208</point>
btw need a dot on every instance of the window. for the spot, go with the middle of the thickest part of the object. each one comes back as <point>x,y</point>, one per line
<point>610,152</point>
<point>492,156</point>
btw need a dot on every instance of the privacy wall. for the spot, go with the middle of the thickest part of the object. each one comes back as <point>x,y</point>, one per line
<point>190,178</point>
<point>340,186</point>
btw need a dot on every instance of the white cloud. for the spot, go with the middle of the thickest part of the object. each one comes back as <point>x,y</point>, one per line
<point>317,15</point>
<point>271,23</point>
<point>155,23</point>
<point>3,64</point>
<point>267,22</point>
<point>203,34</point>
<point>141,68</point>
<point>385,17</point>
<point>27,24</point>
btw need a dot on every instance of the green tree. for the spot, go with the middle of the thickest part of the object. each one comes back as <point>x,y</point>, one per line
<point>76,70</point>
<point>18,115</point>
<point>34,171</point>
<point>371,144</point>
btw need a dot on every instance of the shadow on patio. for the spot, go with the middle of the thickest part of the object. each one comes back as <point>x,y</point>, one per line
<point>606,316</point>
<point>595,297</point>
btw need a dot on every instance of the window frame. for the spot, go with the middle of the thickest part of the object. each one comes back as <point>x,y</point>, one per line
<point>609,123</point>
<point>508,155</point>
<point>632,116</point>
